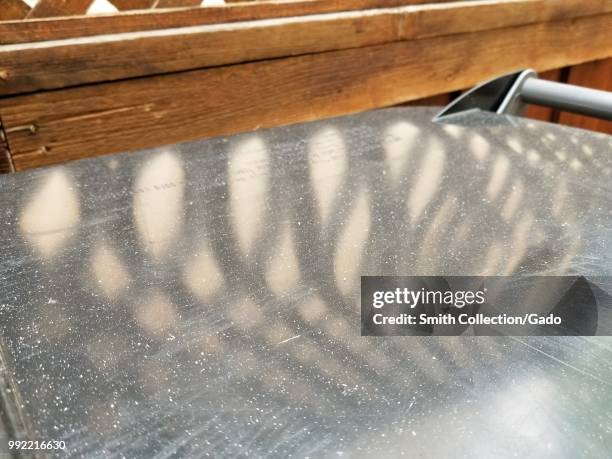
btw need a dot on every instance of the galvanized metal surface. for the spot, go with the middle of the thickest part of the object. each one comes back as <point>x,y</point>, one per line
<point>202,299</point>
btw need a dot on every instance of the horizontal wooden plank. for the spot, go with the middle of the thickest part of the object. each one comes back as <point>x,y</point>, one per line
<point>64,63</point>
<point>72,27</point>
<point>56,126</point>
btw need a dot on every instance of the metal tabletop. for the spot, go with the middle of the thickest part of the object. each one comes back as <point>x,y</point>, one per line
<point>202,299</point>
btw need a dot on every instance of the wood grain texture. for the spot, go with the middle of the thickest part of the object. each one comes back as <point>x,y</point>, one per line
<point>132,4</point>
<point>65,63</point>
<point>48,8</point>
<point>176,3</point>
<point>72,27</point>
<point>5,153</point>
<point>439,100</point>
<point>56,126</point>
<point>596,75</point>
<point>13,9</point>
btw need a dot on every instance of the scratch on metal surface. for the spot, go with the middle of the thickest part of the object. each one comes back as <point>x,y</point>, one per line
<point>288,339</point>
<point>412,403</point>
<point>562,362</point>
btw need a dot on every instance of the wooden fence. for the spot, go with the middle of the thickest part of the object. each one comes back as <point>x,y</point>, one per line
<point>74,85</point>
